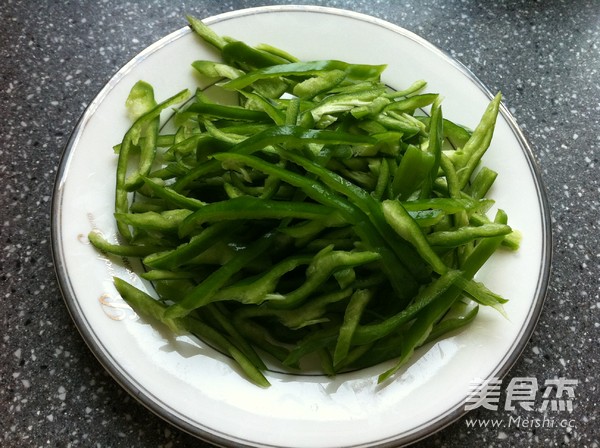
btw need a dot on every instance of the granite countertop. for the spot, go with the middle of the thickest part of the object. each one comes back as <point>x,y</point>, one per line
<point>55,56</point>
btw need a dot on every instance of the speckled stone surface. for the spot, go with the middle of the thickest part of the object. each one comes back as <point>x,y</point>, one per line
<point>55,56</point>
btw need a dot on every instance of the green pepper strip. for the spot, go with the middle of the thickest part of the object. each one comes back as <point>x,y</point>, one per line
<point>228,112</point>
<point>275,135</point>
<point>466,234</point>
<point>412,171</point>
<point>405,226</point>
<point>149,307</point>
<point>369,206</point>
<point>436,139</point>
<point>320,269</point>
<point>239,53</point>
<point>217,314</point>
<point>166,221</point>
<point>353,71</point>
<point>173,197</point>
<point>352,316</point>
<point>451,324</point>
<point>202,293</point>
<point>365,334</point>
<point>132,136</point>
<point>468,158</point>
<point>95,237</point>
<point>198,243</point>
<point>423,324</point>
<point>482,182</point>
<point>404,284</point>
<point>250,207</point>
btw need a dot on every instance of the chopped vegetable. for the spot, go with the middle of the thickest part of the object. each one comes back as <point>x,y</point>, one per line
<point>324,217</point>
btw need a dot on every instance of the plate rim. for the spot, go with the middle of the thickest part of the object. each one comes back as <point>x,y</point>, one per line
<point>174,417</point>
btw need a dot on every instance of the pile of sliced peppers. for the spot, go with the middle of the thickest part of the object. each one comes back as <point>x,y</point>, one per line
<point>323,217</point>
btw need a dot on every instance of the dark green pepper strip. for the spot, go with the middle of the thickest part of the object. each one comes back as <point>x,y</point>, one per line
<point>294,135</point>
<point>352,316</point>
<point>249,207</point>
<point>202,294</point>
<point>453,323</point>
<point>158,274</point>
<point>313,342</point>
<point>261,338</point>
<point>173,197</point>
<point>218,314</point>
<point>186,252</point>
<point>228,112</point>
<point>240,54</point>
<point>466,234</point>
<point>130,138</point>
<point>365,334</point>
<point>419,331</point>
<point>412,171</point>
<point>353,71</point>
<point>95,237</point>
<point>149,307</point>
<point>481,184</point>
<point>405,226</point>
<point>324,264</point>
<point>166,221</point>
<point>212,69</point>
<point>512,241</point>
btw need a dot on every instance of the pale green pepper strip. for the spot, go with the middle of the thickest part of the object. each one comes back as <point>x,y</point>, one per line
<point>149,307</point>
<point>132,136</point>
<point>352,316</point>
<point>173,197</point>
<point>453,322</point>
<point>166,221</point>
<point>405,226</point>
<point>466,234</point>
<point>95,237</point>
<point>468,158</point>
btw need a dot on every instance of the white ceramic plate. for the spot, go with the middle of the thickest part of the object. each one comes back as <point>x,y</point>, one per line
<point>196,388</point>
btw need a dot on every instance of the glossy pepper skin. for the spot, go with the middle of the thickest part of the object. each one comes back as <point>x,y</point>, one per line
<point>322,214</point>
